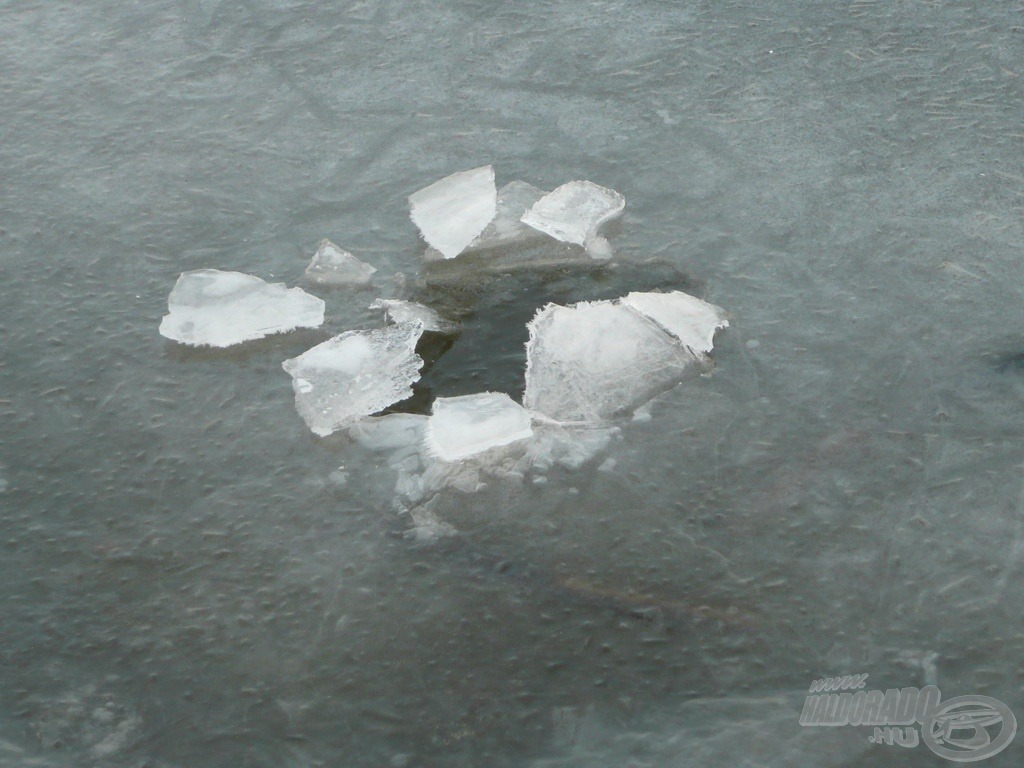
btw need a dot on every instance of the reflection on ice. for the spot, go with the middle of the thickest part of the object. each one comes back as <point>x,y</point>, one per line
<point>335,267</point>
<point>354,375</point>
<point>209,307</point>
<point>452,212</point>
<point>463,426</point>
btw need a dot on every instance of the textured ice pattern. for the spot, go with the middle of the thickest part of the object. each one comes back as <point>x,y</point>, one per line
<point>452,212</point>
<point>597,360</point>
<point>354,375</point>
<point>208,307</point>
<point>575,211</point>
<point>462,426</point>
<point>409,312</point>
<point>336,267</point>
<point>686,317</point>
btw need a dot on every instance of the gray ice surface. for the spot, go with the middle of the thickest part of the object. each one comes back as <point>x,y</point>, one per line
<point>842,496</point>
<point>354,375</point>
<point>210,307</point>
<point>410,313</point>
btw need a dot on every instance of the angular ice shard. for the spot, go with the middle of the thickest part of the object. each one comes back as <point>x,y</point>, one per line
<point>575,211</point>
<point>462,426</point>
<point>597,360</point>
<point>507,228</point>
<point>453,211</point>
<point>208,307</point>
<point>686,317</point>
<point>409,312</point>
<point>333,266</point>
<point>354,375</point>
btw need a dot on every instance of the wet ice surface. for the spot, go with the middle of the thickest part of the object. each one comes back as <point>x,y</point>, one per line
<point>336,267</point>
<point>411,313</point>
<point>462,426</point>
<point>453,212</point>
<point>841,495</point>
<point>210,307</point>
<point>354,375</point>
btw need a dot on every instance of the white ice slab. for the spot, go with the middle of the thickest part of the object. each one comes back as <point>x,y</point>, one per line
<point>409,312</point>
<point>575,211</point>
<point>596,360</point>
<point>463,426</point>
<point>209,307</point>
<point>686,317</point>
<point>334,266</point>
<point>354,375</point>
<point>452,212</point>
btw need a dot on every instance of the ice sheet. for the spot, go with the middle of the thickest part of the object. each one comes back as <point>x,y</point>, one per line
<point>210,307</point>
<point>686,317</point>
<point>409,312</point>
<point>452,212</point>
<point>597,360</point>
<point>463,426</point>
<point>354,375</point>
<point>575,211</point>
<point>336,267</point>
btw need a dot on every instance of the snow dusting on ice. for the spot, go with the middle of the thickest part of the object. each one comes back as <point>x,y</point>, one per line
<point>463,426</point>
<point>452,212</point>
<point>336,267</point>
<point>354,375</point>
<point>209,307</point>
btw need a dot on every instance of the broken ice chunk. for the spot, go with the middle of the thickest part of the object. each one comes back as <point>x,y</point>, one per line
<point>462,426</point>
<point>333,266</point>
<point>407,312</point>
<point>507,228</point>
<point>597,360</point>
<point>575,211</point>
<point>686,317</point>
<point>453,211</point>
<point>354,375</point>
<point>209,307</point>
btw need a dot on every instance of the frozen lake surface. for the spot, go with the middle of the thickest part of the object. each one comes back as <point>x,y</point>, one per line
<point>192,578</point>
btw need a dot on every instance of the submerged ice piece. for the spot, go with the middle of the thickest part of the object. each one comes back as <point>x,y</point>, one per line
<point>209,307</point>
<point>686,317</point>
<point>574,212</point>
<point>354,375</point>
<point>333,266</point>
<point>462,426</point>
<point>453,211</point>
<point>409,312</point>
<point>597,360</point>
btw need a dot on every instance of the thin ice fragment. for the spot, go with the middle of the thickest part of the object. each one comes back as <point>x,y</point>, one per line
<point>686,317</point>
<point>452,212</point>
<point>336,267</point>
<point>409,312</point>
<point>354,375</point>
<point>462,426</point>
<point>209,307</point>
<point>597,360</point>
<point>575,211</point>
